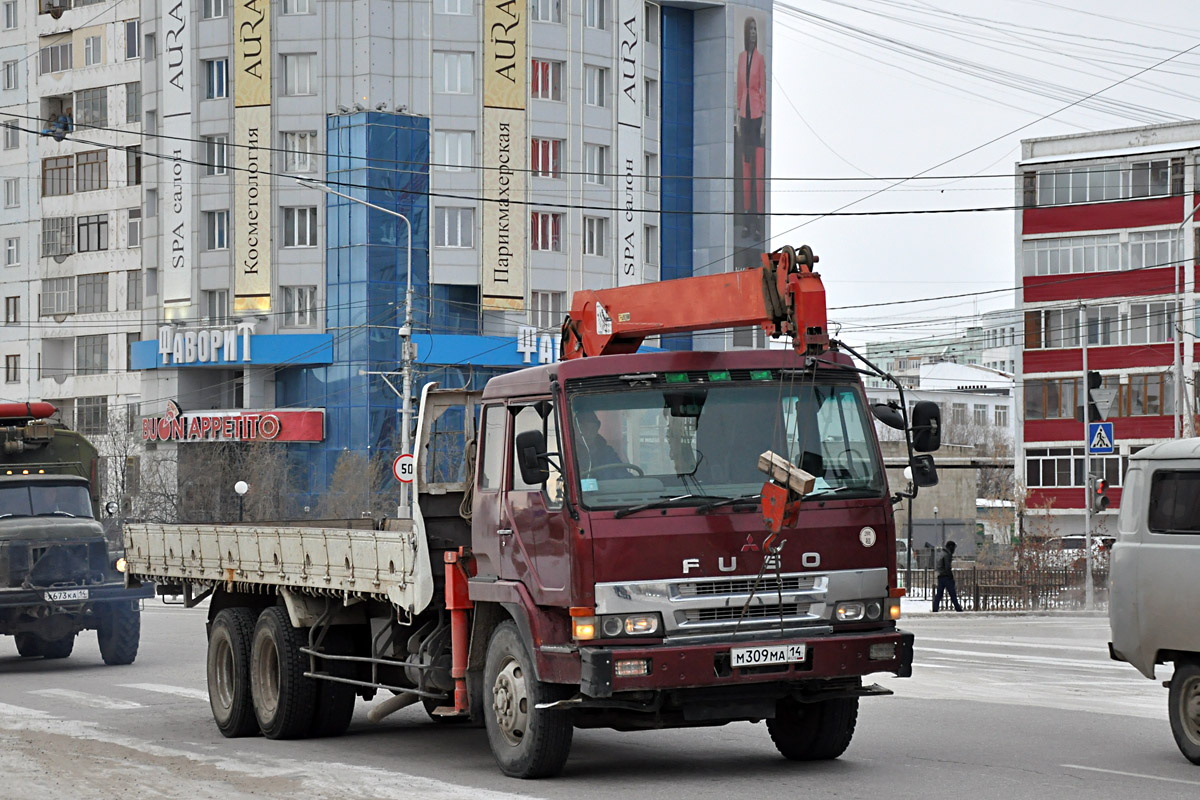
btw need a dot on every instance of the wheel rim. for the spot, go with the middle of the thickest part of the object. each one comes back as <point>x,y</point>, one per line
<point>266,671</point>
<point>1189,708</point>
<point>510,701</point>
<point>222,688</point>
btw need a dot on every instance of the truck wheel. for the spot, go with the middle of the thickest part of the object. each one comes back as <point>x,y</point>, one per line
<point>57,648</point>
<point>526,742</point>
<point>28,645</point>
<point>813,731</point>
<point>283,698</point>
<point>335,701</point>
<point>1184,708</point>
<point>118,632</point>
<point>228,671</point>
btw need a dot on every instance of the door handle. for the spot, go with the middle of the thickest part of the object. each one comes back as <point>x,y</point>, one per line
<point>504,532</point>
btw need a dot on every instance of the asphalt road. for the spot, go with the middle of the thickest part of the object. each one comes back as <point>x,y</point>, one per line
<point>999,707</point>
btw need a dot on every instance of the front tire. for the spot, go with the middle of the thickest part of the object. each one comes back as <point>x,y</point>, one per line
<point>526,742</point>
<point>118,632</point>
<point>57,648</point>
<point>228,668</point>
<point>813,731</point>
<point>1183,707</point>
<point>284,700</point>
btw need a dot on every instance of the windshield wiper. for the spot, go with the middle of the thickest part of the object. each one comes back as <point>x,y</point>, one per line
<point>664,502</point>
<point>728,501</point>
<point>830,490</point>
<point>64,513</point>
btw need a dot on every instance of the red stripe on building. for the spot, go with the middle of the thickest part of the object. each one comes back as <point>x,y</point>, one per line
<point>1070,498</point>
<point>1102,216</point>
<point>1124,428</point>
<point>1117,284</point>
<point>1123,357</point>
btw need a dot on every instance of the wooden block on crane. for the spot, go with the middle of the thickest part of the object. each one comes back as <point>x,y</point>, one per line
<point>785,473</point>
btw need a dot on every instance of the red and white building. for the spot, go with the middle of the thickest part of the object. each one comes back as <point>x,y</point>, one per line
<point>1105,237</point>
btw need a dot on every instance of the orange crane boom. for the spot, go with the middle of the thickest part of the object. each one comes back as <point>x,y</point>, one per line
<point>784,297</point>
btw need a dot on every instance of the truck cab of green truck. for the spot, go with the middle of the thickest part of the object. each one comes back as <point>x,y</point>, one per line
<point>60,572</point>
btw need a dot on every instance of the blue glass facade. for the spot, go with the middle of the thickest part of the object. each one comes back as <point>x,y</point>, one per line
<point>381,158</point>
<point>678,95</point>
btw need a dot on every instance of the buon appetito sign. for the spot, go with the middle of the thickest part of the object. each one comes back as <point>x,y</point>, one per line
<point>306,425</point>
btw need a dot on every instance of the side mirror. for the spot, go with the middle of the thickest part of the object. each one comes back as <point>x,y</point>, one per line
<point>926,427</point>
<point>923,472</point>
<point>531,457</point>
<point>889,415</point>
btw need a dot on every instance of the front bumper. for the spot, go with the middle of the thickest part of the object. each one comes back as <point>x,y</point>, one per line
<point>99,593</point>
<point>676,666</point>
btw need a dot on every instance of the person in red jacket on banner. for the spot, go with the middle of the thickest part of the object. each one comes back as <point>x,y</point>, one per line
<point>751,133</point>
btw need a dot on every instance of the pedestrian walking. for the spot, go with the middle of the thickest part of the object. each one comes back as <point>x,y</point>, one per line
<point>943,568</point>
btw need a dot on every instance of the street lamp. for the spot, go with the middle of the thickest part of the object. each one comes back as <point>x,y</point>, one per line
<point>241,487</point>
<point>405,329</point>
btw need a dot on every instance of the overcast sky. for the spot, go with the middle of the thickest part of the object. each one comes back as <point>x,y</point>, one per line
<point>892,88</point>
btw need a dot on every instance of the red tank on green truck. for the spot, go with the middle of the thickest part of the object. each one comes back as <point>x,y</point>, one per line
<point>623,539</point>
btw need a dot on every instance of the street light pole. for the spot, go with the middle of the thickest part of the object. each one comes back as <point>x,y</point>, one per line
<point>406,348</point>
<point>1182,427</point>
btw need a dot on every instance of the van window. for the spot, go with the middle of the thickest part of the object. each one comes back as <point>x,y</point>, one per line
<point>491,471</point>
<point>1127,518</point>
<point>1175,501</point>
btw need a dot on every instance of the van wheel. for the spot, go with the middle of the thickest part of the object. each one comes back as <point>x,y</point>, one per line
<point>284,700</point>
<point>1183,707</point>
<point>229,641</point>
<point>526,742</point>
<point>118,631</point>
<point>813,731</point>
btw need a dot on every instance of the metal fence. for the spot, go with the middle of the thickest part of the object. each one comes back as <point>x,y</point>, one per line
<point>1001,589</point>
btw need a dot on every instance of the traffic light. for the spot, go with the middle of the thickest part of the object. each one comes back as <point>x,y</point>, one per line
<point>1097,493</point>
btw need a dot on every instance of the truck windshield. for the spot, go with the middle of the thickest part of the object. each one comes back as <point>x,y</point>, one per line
<point>642,445</point>
<point>45,500</point>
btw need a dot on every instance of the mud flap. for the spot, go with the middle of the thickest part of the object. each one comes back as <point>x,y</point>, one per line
<point>596,679</point>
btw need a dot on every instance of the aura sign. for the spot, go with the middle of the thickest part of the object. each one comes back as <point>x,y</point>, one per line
<point>176,110</point>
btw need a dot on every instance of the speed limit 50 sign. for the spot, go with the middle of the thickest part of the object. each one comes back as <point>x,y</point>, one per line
<point>404,467</point>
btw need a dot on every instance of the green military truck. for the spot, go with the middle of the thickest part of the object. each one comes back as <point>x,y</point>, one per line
<point>60,571</point>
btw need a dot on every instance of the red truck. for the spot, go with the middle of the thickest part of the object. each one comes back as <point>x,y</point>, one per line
<point>611,553</point>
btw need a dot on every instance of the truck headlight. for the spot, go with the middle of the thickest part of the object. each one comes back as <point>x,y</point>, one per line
<point>613,626</point>
<point>120,564</point>
<point>850,612</point>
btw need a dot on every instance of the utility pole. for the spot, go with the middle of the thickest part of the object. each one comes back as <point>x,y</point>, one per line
<point>1089,596</point>
<point>1183,418</point>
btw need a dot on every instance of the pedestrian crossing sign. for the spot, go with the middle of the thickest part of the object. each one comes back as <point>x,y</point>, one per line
<point>1100,437</point>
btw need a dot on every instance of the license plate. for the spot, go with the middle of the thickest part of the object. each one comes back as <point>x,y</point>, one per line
<point>61,595</point>
<point>766,656</point>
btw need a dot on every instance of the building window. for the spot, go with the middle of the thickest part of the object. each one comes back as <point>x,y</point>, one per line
<point>1001,416</point>
<point>10,75</point>
<point>297,74</point>
<point>91,107</point>
<point>58,296</point>
<point>1151,323</point>
<point>1052,328</point>
<point>958,413</point>
<point>92,293</point>
<point>1052,398</point>
<point>216,307</point>
<point>544,157</point>
<point>56,176</point>
<point>595,164</point>
<point>133,166</point>
<point>92,233</point>
<point>651,244</point>
<point>300,227</point>
<point>10,14</point>
<point>12,192</point>
<point>12,310</point>
<point>545,80</point>
<point>55,58</point>
<point>130,340</point>
<point>546,310</point>
<point>651,98</point>
<point>299,305</point>
<point>91,413</point>
<point>216,230</point>
<point>133,290</point>
<point>91,171</point>
<point>454,150</point>
<point>457,7</point>
<point>1148,395</point>
<point>979,414</point>
<point>595,83</point>
<point>594,231</point>
<point>216,150</point>
<point>455,227</point>
<point>135,227</point>
<point>295,7</point>
<point>216,78</point>
<point>650,163</point>
<point>1095,183</point>
<point>299,150</point>
<point>12,135</point>
<point>1063,467</point>
<point>1154,249</point>
<point>133,39</point>
<point>453,73</point>
<point>58,236</point>
<point>1103,325</point>
<point>12,252</point>
<point>545,231</point>
<point>214,9</point>
<point>593,14</point>
<point>545,10</point>
<point>12,369</point>
<point>133,102</point>
<point>93,52</point>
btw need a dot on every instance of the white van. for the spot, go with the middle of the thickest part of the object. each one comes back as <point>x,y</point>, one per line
<point>1154,578</point>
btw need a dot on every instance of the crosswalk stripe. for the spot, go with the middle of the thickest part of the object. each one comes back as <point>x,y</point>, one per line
<point>162,688</point>
<point>1058,662</point>
<point>20,712</point>
<point>1131,774</point>
<point>1012,643</point>
<point>90,700</point>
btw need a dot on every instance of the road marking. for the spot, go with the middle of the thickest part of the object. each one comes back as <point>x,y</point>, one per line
<point>90,700</point>
<point>162,688</point>
<point>20,712</point>
<point>1001,643</point>
<point>1058,662</point>
<point>1131,774</point>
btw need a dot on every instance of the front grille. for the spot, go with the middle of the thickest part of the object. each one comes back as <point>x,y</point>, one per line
<point>753,612</point>
<point>43,565</point>
<point>767,586</point>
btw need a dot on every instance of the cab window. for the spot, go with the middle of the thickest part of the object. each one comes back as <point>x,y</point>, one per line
<point>491,467</point>
<point>539,417</point>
